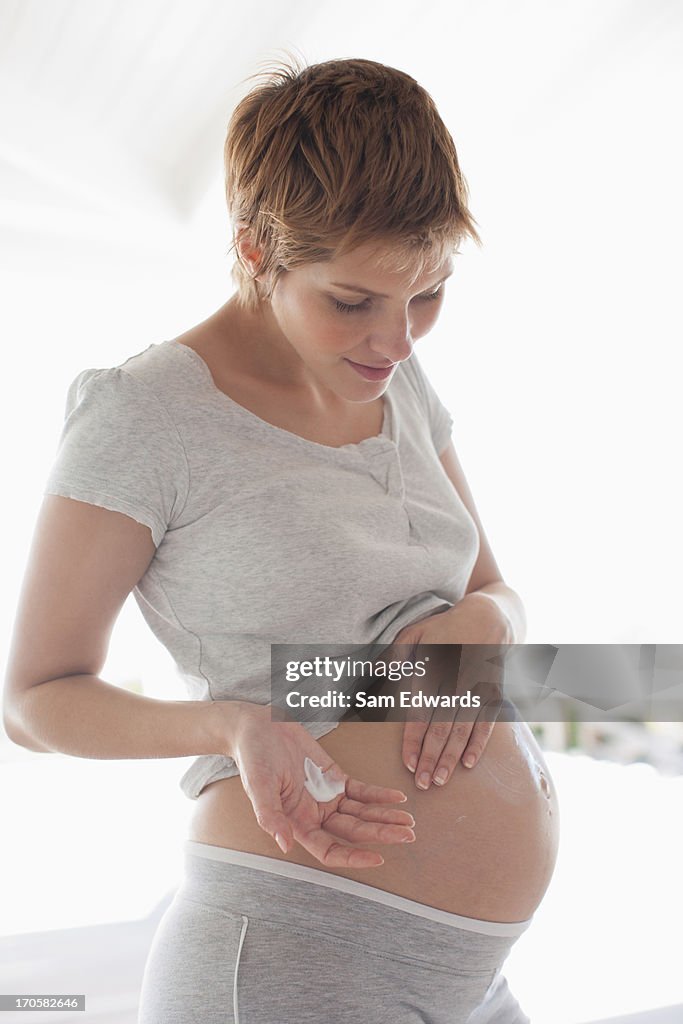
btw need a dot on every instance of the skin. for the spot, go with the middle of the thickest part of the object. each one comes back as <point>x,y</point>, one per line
<point>300,340</point>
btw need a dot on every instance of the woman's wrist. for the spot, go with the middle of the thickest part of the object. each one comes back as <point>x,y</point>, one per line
<point>221,723</point>
<point>224,719</point>
<point>492,622</point>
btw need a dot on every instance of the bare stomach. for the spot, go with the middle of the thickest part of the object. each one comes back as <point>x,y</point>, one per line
<point>486,842</point>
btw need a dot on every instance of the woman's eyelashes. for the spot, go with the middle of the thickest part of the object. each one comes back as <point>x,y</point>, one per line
<point>345,307</point>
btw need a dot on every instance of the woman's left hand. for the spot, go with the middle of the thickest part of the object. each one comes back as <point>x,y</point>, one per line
<point>433,745</point>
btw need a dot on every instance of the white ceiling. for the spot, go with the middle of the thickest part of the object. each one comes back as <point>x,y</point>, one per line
<point>122,105</point>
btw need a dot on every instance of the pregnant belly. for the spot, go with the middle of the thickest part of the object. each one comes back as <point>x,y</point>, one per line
<point>486,842</point>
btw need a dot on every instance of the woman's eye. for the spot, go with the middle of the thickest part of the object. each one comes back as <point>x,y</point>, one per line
<point>346,307</point>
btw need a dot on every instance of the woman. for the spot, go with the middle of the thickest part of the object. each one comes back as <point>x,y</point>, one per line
<point>283,473</point>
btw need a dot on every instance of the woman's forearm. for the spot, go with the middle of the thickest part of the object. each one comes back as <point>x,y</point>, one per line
<point>84,716</point>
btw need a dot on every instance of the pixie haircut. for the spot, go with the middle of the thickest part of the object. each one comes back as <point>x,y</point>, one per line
<point>324,158</point>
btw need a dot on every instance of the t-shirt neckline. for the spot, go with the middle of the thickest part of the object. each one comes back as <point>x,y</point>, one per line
<point>382,440</point>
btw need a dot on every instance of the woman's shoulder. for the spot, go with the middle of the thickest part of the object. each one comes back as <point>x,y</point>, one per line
<point>141,397</point>
<point>161,367</point>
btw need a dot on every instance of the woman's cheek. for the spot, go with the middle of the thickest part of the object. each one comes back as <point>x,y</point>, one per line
<point>341,337</point>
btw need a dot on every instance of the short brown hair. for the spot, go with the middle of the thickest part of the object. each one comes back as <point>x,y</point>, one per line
<point>320,159</point>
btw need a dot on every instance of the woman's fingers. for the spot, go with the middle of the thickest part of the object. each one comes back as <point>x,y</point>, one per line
<point>446,743</point>
<point>322,845</point>
<point>466,742</point>
<point>371,794</point>
<point>413,735</point>
<point>462,744</point>
<point>355,830</point>
<point>481,733</point>
<point>357,822</point>
<point>333,854</point>
<point>372,812</point>
<point>442,747</point>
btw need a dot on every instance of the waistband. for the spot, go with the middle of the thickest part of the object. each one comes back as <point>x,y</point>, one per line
<point>303,873</point>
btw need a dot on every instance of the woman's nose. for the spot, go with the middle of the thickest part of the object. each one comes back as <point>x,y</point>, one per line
<point>395,343</point>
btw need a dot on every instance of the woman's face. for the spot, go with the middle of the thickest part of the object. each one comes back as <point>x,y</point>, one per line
<point>335,329</point>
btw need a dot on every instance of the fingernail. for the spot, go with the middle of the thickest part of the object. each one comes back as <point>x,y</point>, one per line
<point>408,839</point>
<point>412,763</point>
<point>280,840</point>
<point>440,776</point>
<point>423,781</point>
<point>468,761</point>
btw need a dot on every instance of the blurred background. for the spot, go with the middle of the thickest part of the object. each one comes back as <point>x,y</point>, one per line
<point>556,352</point>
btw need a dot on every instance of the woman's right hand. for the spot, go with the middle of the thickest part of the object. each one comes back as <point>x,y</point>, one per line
<point>270,756</point>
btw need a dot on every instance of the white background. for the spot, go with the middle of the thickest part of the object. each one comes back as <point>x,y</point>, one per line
<point>556,351</point>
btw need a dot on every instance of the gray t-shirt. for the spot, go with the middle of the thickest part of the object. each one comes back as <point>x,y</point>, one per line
<point>264,537</point>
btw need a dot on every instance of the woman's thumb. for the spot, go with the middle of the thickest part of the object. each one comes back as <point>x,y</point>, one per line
<point>270,817</point>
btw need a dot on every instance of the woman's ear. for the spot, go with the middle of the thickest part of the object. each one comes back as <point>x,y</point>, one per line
<point>249,254</point>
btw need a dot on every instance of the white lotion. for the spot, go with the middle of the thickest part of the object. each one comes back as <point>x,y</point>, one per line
<point>318,786</point>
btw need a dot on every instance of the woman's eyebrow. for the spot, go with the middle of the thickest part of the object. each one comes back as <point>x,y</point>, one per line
<point>378,295</point>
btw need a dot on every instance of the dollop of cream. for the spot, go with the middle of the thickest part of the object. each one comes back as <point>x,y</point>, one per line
<point>321,788</point>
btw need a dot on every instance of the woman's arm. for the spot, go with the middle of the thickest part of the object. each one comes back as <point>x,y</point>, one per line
<point>432,748</point>
<point>486,578</point>
<point>83,563</point>
<point>84,716</point>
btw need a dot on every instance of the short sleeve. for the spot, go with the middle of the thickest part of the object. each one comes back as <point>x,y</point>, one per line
<point>439,418</point>
<point>120,449</point>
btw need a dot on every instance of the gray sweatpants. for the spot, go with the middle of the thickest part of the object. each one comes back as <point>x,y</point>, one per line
<point>242,945</point>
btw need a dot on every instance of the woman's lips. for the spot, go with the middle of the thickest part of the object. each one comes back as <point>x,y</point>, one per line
<point>371,372</point>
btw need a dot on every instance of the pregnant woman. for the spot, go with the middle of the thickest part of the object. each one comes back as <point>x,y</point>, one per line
<point>284,473</point>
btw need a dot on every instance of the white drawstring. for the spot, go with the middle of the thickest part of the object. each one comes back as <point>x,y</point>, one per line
<point>235,1007</point>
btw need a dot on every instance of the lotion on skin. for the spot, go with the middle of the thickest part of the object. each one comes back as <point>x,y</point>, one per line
<point>321,788</point>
